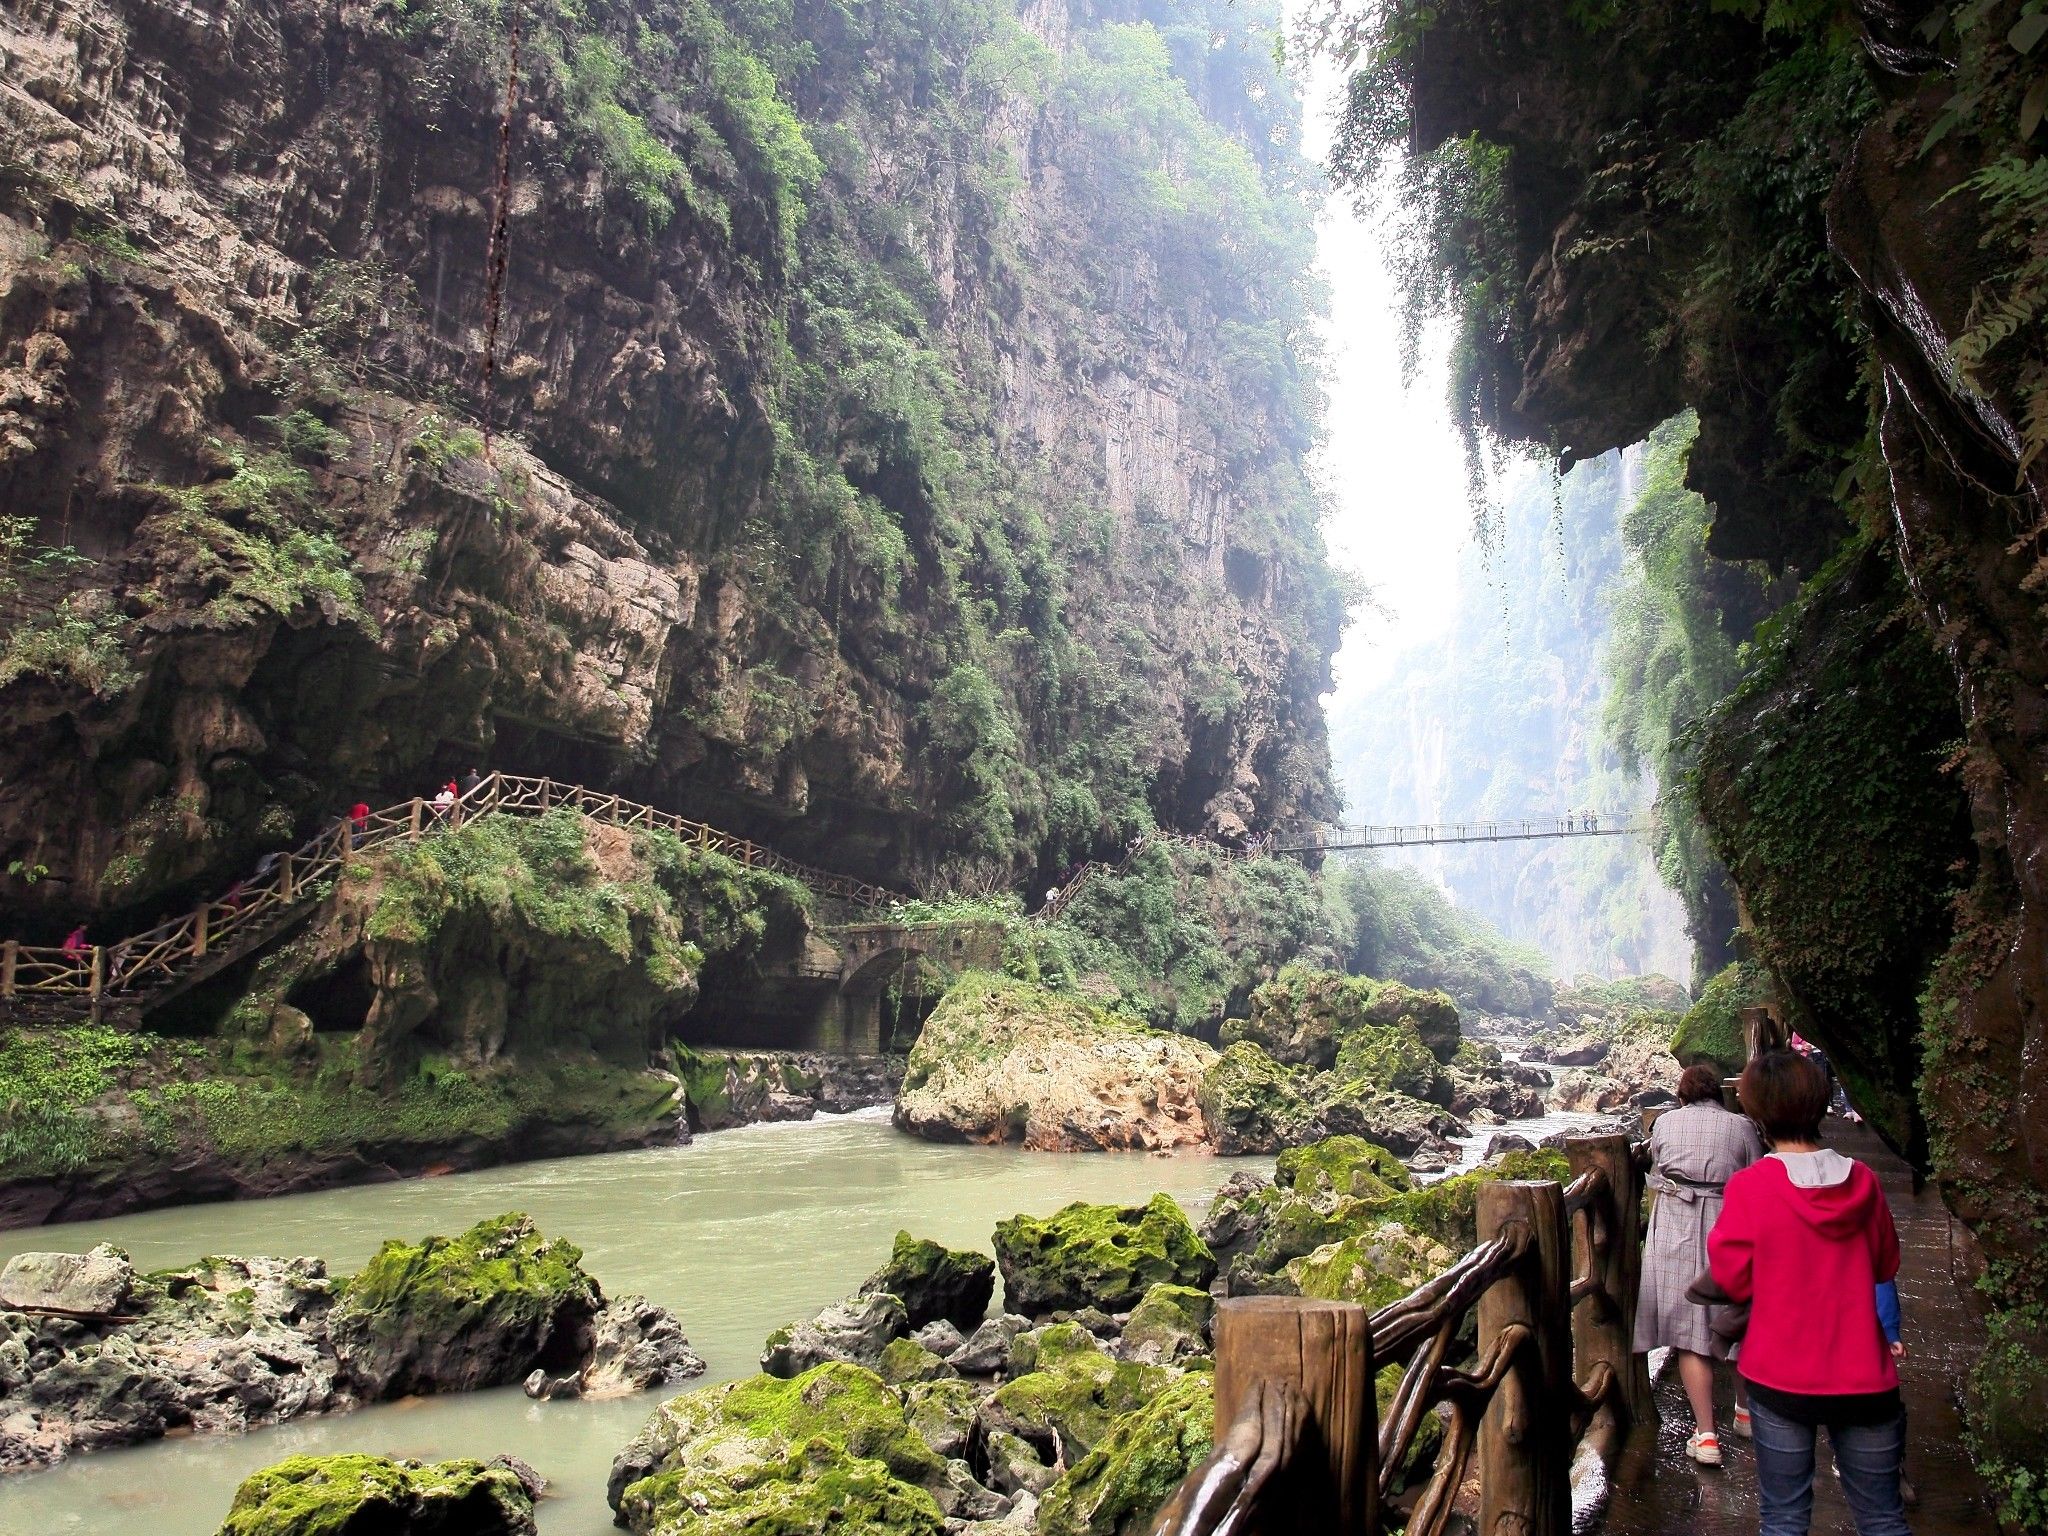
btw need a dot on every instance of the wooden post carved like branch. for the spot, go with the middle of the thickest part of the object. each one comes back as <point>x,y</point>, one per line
<point>1525,1440</point>
<point>1321,1350</point>
<point>413,827</point>
<point>10,954</point>
<point>1607,1332</point>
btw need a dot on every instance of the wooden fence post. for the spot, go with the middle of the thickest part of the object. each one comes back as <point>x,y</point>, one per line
<point>284,877</point>
<point>199,932</point>
<point>99,977</point>
<point>414,832</point>
<point>1602,1333</point>
<point>1525,1440</point>
<point>1322,1350</point>
<point>10,953</point>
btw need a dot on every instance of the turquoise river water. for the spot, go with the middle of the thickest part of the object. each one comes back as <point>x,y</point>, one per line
<point>738,1233</point>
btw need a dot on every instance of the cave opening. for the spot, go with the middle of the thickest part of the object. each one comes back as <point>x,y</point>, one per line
<point>337,1001</point>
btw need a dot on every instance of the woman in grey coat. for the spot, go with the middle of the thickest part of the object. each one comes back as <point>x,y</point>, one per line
<point>1695,1149</point>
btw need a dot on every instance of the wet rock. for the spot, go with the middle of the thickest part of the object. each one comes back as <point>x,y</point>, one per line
<point>92,1284</point>
<point>1014,1465</point>
<point>1236,1216</point>
<point>453,1314</point>
<point>1065,1404</point>
<point>906,1361</point>
<point>830,1450</point>
<point>1003,1061</point>
<point>942,1413</point>
<point>1574,1049</point>
<point>1252,1103</point>
<point>1373,1268</point>
<point>636,1345</point>
<point>941,1338</point>
<point>1120,1484</point>
<point>1098,1255</point>
<point>935,1283</point>
<point>1578,1091</point>
<point>854,1331</point>
<point>728,1088</point>
<point>1504,1142</point>
<point>1169,1326</point>
<point>342,1495</point>
<point>987,1350</point>
<point>1407,1127</point>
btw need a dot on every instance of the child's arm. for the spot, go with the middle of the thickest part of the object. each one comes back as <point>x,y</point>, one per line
<point>1888,1313</point>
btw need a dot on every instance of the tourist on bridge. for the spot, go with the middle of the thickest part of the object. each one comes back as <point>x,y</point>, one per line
<point>1695,1150</point>
<point>1806,1237</point>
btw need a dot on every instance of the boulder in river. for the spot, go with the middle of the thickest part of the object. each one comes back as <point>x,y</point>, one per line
<point>1170,1325</point>
<point>374,1496</point>
<point>1064,1404</point>
<point>93,1284</point>
<point>450,1314</point>
<point>1001,1060</point>
<point>936,1283</point>
<point>1120,1484</point>
<point>855,1331</point>
<point>1372,1268</point>
<point>1253,1103</point>
<point>1098,1255</point>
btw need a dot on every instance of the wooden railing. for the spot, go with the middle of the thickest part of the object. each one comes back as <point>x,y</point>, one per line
<point>155,965</point>
<point>1300,1442</point>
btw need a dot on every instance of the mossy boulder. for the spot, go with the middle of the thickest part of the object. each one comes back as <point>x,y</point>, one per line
<point>1447,1211</point>
<point>1117,1488</point>
<point>1253,1103</point>
<point>452,1314</point>
<point>935,1282</point>
<point>1170,1325</point>
<point>1711,1030</point>
<point>1403,1125</point>
<point>1372,1268</point>
<point>906,1360</point>
<point>1393,1059</point>
<point>1344,1165</point>
<point>709,1461</point>
<point>941,1412</point>
<point>1430,1014</point>
<point>854,1331</point>
<point>819,1489</point>
<point>1105,1256</point>
<point>1302,1015</point>
<point>374,1496</point>
<point>1073,1393</point>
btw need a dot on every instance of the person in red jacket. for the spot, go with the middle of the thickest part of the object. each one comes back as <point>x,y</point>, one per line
<point>1805,1237</point>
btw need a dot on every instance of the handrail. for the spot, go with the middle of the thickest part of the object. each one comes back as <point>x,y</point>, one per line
<point>1518,1402</point>
<point>157,963</point>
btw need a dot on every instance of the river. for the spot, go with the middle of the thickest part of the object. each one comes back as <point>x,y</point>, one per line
<point>738,1233</point>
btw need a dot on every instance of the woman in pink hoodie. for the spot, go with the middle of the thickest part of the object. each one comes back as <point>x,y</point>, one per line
<point>1805,1237</point>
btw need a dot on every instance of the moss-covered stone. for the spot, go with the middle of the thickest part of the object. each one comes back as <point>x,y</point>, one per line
<point>372,1496</point>
<point>1071,1395</point>
<point>1393,1059</point>
<point>906,1360</point>
<point>1170,1324</point>
<point>1447,1211</point>
<point>1372,1268</point>
<point>820,1489</point>
<point>1430,1014</point>
<point>451,1314</point>
<point>1105,1256</point>
<point>941,1413</point>
<point>1711,1030</point>
<point>1117,1488</point>
<point>1345,1165</point>
<point>934,1282</point>
<point>1253,1103</point>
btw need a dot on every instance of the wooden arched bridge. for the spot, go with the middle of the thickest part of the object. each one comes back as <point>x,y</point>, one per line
<point>126,978</point>
<point>1301,1444</point>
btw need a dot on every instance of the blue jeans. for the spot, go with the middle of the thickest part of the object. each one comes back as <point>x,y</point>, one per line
<point>1868,1457</point>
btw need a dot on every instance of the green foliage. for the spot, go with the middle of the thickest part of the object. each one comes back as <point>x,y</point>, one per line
<point>47,631</point>
<point>50,1079</point>
<point>1712,1030</point>
<point>1403,927</point>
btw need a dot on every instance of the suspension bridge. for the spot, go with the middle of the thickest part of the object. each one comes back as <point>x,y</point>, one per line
<point>1338,839</point>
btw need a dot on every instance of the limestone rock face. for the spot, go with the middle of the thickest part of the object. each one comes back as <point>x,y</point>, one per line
<point>89,1284</point>
<point>342,1495</point>
<point>1098,1255</point>
<point>1000,1060</point>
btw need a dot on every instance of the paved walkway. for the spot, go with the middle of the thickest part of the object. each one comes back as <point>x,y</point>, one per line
<point>1658,1492</point>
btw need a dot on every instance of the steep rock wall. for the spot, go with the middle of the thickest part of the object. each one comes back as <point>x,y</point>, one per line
<point>868,469</point>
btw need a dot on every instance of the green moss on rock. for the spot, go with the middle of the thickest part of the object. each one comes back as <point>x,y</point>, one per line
<point>1345,1165</point>
<point>906,1360</point>
<point>935,1282</point>
<point>372,1496</point>
<point>1170,1323</point>
<point>1393,1059</point>
<point>1372,1268</point>
<point>1253,1103</point>
<point>818,1490</point>
<point>1117,1488</point>
<point>1711,1030</point>
<point>450,1314</point>
<point>2007,1415</point>
<point>1104,1256</point>
<point>1072,1395</point>
<point>1447,1211</point>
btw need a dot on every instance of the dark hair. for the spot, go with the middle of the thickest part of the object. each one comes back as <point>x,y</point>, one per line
<point>1785,1094</point>
<point>1699,1084</point>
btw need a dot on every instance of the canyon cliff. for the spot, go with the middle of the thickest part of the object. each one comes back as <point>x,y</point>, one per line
<point>882,434</point>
